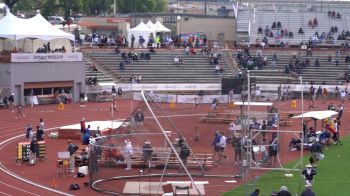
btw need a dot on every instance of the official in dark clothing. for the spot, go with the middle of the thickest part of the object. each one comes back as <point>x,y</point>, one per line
<point>316,151</point>
<point>184,153</point>
<point>34,150</point>
<point>139,118</point>
<point>147,152</point>
<point>308,191</point>
<point>309,173</point>
<point>284,192</point>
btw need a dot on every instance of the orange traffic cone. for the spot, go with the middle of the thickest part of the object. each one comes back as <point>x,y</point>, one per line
<point>53,183</point>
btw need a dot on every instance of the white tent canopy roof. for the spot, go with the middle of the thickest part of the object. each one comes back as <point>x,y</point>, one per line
<point>161,28</point>
<point>151,26</point>
<point>37,27</point>
<point>319,115</point>
<point>142,27</point>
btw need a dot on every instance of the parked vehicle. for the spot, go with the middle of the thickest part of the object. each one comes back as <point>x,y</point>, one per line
<point>56,19</point>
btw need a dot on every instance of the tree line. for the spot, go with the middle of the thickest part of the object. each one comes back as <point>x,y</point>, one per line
<point>69,8</point>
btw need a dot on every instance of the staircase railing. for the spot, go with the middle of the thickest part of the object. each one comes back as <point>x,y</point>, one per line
<point>230,60</point>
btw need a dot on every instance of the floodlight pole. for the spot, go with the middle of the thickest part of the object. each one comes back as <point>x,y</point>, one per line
<point>302,122</point>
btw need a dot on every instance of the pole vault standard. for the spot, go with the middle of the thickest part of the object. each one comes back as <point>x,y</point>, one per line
<point>247,164</point>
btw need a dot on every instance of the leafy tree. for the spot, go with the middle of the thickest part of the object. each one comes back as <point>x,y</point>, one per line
<point>129,6</point>
<point>97,7</point>
<point>11,3</point>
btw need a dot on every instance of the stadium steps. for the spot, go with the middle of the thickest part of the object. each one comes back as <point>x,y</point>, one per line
<point>161,68</point>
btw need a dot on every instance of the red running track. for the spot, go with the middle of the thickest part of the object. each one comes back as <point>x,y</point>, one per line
<point>43,172</point>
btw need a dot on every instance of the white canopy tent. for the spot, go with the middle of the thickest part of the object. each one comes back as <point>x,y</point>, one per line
<point>161,28</point>
<point>37,27</point>
<point>151,26</point>
<point>140,30</point>
<point>319,115</point>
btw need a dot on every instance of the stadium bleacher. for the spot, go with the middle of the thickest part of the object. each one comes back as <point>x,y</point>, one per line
<point>161,68</point>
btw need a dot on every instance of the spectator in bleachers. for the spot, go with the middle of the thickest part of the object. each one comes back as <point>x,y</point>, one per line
<point>329,58</point>
<point>152,50</point>
<point>273,25</point>
<point>117,50</point>
<point>309,52</point>
<point>317,63</point>
<point>347,59</point>
<point>334,29</point>
<point>187,50</point>
<point>336,62</point>
<point>271,34</point>
<point>291,35</point>
<point>315,22</point>
<point>274,60</point>
<point>282,45</point>
<point>121,66</point>
<point>338,15</point>
<point>301,31</point>
<point>279,25</point>
<point>310,24</point>
<point>148,56</point>
<point>333,14</point>
<point>267,29</point>
<point>329,13</point>
<point>265,40</point>
<point>307,62</point>
<point>316,34</point>
<point>323,36</point>
<point>338,53</point>
<point>260,31</point>
<point>258,52</point>
<point>286,33</point>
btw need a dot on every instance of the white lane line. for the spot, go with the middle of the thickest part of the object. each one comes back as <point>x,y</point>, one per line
<point>10,173</point>
<point>18,189</point>
<point>2,193</point>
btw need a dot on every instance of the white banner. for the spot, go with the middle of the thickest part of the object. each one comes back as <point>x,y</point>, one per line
<point>175,87</point>
<point>152,87</point>
<point>188,98</point>
<point>210,98</point>
<point>46,57</point>
<point>157,97</point>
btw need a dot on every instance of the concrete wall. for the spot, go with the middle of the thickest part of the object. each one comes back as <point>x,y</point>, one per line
<point>5,75</point>
<point>21,73</point>
<point>104,25</point>
<point>210,26</point>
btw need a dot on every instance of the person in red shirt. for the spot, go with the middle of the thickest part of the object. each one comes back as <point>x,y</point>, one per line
<point>82,128</point>
<point>334,132</point>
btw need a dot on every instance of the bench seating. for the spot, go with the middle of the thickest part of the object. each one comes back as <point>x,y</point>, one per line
<point>213,117</point>
<point>285,119</point>
<point>46,99</point>
<point>205,160</point>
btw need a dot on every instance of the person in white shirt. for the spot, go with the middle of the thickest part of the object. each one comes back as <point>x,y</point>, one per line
<point>342,96</point>
<point>257,94</point>
<point>128,152</point>
<point>222,145</point>
<point>176,60</point>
